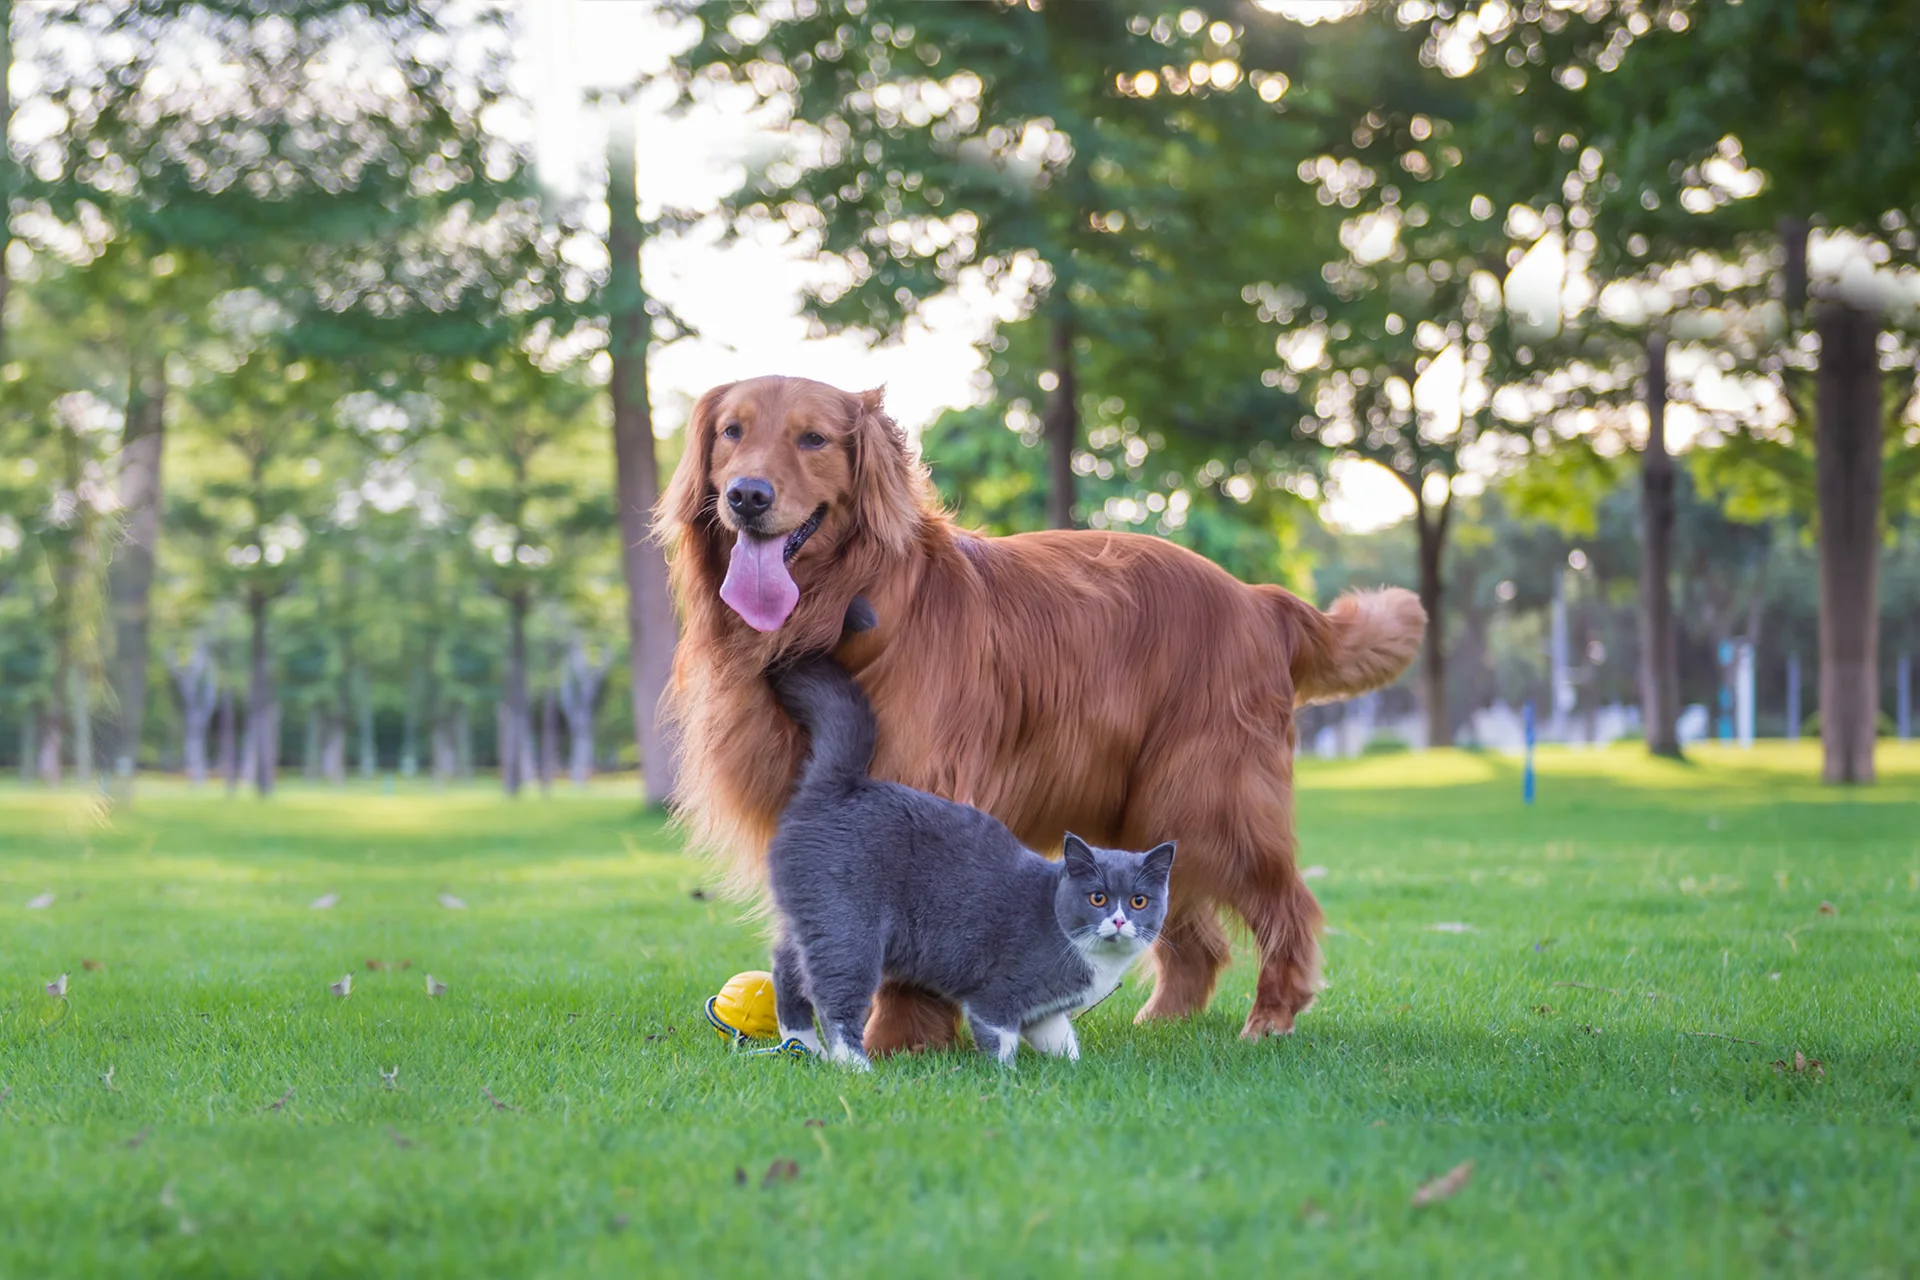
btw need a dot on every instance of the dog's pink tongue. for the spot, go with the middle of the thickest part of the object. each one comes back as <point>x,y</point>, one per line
<point>758,586</point>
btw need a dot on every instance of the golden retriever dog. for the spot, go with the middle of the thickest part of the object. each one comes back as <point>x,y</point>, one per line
<point>1111,684</point>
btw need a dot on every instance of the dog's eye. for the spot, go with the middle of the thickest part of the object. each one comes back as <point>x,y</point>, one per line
<point>1138,902</point>
<point>731,431</point>
<point>1097,899</point>
<point>813,440</point>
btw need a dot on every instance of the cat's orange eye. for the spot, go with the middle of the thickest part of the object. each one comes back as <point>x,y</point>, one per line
<point>1097,899</point>
<point>1138,902</point>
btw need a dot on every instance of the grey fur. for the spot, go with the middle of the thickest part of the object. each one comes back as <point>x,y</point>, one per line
<point>872,879</point>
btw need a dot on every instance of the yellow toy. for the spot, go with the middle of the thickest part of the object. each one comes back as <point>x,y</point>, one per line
<point>744,1008</point>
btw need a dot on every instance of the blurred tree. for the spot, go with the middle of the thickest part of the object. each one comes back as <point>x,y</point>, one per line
<point>204,152</point>
<point>1725,197</point>
<point>531,509</point>
<point>651,627</point>
<point>1057,157</point>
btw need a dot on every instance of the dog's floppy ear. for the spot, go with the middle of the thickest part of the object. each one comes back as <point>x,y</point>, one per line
<point>687,494</point>
<point>886,488</point>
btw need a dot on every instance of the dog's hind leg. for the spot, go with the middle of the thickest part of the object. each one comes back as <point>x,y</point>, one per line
<point>790,1001</point>
<point>1285,921</point>
<point>908,1018</point>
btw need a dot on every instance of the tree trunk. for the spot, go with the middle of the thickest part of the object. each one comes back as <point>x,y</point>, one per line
<point>513,701</point>
<point>29,742</point>
<point>579,692</point>
<point>462,741</point>
<point>130,577</point>
<point>198,685</point>
<point>6,168</point>
<point>446,764</point>
<point>1431,523</point>
<point>310,747</point>
<point>549,740</point>
<point>51,747</point>
<point>1847,442</point>
<point>263,719</point>
<point>333,752</point>
<point>410,728</point>
<point>1659,646</point>
<point>1060,421</point>
<point>80,716</point>
<point>229,759</point>
<point>651,629</point>
<point>369,752</point>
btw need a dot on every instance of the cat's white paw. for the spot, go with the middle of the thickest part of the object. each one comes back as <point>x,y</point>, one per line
<point>844,1054</point>
<point>1054,1036</point>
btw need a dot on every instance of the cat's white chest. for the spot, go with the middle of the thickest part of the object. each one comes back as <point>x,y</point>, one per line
<point>1109,967</point>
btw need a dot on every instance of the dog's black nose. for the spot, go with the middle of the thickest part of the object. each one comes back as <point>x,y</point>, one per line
<point>750,498</point>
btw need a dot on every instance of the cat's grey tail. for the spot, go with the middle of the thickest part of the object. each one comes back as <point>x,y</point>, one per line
<point>829,705</point>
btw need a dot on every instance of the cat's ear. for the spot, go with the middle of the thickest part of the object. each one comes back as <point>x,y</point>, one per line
<point>1081,864</point>
<point>1159,862</point>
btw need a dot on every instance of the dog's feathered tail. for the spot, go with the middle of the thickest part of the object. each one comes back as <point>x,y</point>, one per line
<point>830,706</point>
<point>1363,642</point>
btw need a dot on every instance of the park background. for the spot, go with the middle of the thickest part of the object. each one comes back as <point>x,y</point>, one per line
<point>343,347</point>
<point>334,395</point>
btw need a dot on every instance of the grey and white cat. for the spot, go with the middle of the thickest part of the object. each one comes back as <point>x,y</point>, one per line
<point>875,880</point>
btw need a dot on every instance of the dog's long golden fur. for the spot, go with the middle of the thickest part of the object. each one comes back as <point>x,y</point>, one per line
<point>1115,685</point>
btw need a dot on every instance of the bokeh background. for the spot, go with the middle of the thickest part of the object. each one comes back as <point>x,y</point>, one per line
<point>344,346</point>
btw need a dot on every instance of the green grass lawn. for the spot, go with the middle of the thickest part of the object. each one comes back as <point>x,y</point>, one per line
<point>1586,999</point>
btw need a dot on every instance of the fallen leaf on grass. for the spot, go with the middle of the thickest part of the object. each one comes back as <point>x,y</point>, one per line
<point>739,1176</point>
<point>814,1124</point>
<point>452,903</point>
<point>40,903</point>
<point>497,1104</point>
<point>400,1139</point>
<point>284,1099</point>
<point>406,964</point>
<point>376,965</point>
<point>1444,1187</point>
<point>324,901</point>
<point>660,1035</point>
<point>133,1143</point>
<point>92,966</point>
<point>6,1093</point>
<point>435,988</point>
<point>1543,1009</point>
<point>342,988</point>
<point>780,1171</point>
<point>1589,1029</point>
<point>1311,1214</point>
<point>167,1201</point>
<point>1801,1065</point>
<point>1826,909</point>
<point>58,987</point>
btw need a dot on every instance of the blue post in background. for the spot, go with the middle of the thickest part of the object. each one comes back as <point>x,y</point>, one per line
<point>1526,772</point>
